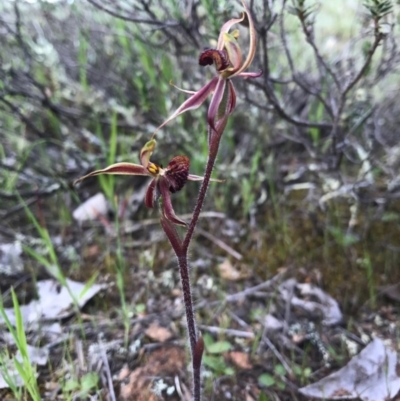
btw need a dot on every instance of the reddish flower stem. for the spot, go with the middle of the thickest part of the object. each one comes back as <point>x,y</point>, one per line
<point>181,251</point>
<point>184,269</point>
<point>191,325</point>
<point>212,156</point>
<point>187,297</point>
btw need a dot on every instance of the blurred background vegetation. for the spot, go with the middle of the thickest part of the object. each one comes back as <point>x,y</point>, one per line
<point>311,155</point>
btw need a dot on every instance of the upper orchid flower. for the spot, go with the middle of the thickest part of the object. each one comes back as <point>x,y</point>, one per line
<point>165,180</point>
<point>227,58</point>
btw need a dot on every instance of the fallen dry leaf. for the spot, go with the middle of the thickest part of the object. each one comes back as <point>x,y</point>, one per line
<point>92,251</point>
<point>54,301</point>
<point>240,359</point>
<point>137,388</point>
<point>228,272</point>
<point>158,333</point>
<point>10,258</point>
<point>91,208</point>
<point>371,376</point>
<point>324,305</point>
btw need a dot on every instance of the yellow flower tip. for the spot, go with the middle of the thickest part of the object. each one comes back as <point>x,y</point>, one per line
<point>147,151</point>
<point>150,146</point>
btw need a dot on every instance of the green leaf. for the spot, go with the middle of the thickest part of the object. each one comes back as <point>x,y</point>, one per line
<point>89,381</point>
<point>215,363</point>
<point>263,397</point>
<point>219,347</point>
<point>390,216</point>
<point>208,340</point>
<point>229,371</point>
<point>266,380</point>
<point>71,385</point>
<point>19,326</point>
<point>280,370</point>
<point>88,285</point>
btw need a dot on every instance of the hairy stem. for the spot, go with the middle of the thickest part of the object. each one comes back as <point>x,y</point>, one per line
<point>191,326</point>
<point>187,297</point>
<point>196,342</point>
<point>212,156</point>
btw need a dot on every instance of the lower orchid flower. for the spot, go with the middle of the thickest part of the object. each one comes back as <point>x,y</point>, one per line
<point>165,180</point>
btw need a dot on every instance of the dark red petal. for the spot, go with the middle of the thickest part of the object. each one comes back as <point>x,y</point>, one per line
<point>151,194</point>
<point>177,173</point>
<point>118,169</point>
<point>217,57</point>
<point>250,74</point>
<point>168,210</point>
<point>216,102</point>
<point>172,234</point>
<point>232,98</point>
<point>198,352</point>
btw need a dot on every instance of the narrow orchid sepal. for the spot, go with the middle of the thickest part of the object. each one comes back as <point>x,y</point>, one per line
<point>228,102</point>
<point>170,231</point>
<point>216,101</point>
<point>232,98</point>
<point>193,177</point>
<point>252,46</point>
<point>182,90</point>
<point>167,207</point>
<point>146,152</point>
<point>151,194</point>
<point>193,102</point>
<point>250,74</point>
<point>117,169</point>
<point>225,108</point>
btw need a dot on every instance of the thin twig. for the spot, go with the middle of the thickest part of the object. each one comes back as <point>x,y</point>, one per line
<point>272,347</point>
<point>107,370</point>
<point>295,76</point>
<point>228,332</point>
<point>220,243</point>
<point>320,59</point>
<point>270,95</point>
<point>132,19</point>
<point>245,293</point>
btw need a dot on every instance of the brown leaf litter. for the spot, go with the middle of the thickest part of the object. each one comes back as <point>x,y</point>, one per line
<point>137,385</point>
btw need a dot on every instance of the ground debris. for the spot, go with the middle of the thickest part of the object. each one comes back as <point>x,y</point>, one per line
<point>146,382</point>
<point>91,209</point>
<point>54,301</point>
<point>372,375</point>
<point>158,333</point>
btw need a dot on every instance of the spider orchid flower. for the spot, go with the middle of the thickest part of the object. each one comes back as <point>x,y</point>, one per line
<point>165,180</point>
<point>228,62</point>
